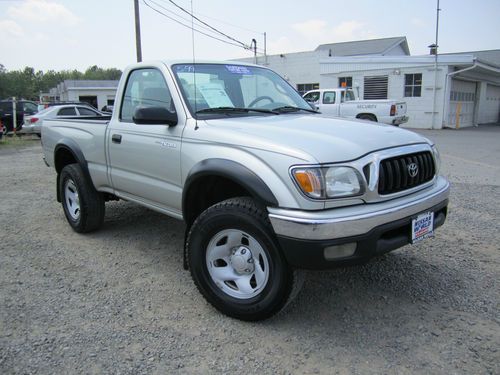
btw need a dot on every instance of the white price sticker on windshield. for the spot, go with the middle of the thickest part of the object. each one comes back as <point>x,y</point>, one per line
<point>215,95</point>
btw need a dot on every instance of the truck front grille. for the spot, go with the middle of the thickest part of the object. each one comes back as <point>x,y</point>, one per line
<point>405,172</point>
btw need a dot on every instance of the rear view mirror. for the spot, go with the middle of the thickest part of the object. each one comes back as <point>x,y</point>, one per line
<point>155,116</point>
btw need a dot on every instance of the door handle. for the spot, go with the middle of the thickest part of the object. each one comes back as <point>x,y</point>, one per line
<point>116,138</point>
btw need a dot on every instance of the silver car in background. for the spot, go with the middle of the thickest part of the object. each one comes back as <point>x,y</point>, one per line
<point>33,124</point>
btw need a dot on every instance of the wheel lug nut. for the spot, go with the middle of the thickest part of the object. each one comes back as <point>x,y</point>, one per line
<point>247,270</point>
<point>243,251</point>
<point>250,260</point>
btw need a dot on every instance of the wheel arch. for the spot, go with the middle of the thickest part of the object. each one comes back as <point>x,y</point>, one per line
<point>67,152</point>
<point>238,179</point>
<point>366,114</point>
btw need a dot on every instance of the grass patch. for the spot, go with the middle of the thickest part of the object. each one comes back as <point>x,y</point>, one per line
<point>18,140</point>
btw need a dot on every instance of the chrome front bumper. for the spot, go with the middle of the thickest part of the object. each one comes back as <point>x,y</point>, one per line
<point>354,220</point>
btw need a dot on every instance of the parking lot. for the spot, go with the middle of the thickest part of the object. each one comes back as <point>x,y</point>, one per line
<point>119,301</point>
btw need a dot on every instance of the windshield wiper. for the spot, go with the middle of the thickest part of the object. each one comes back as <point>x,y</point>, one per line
<point>289,108</point>
<point>235,109</point>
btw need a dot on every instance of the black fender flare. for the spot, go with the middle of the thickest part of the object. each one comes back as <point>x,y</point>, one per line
<point>74,149</point>
<point>233,171</point>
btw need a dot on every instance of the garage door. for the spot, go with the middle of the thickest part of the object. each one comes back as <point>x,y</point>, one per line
<point>462,99</point>
<point>490,105</point>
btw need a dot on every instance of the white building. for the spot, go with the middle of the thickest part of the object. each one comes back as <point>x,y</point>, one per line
<point>96,93</point>
<point>463,91</point>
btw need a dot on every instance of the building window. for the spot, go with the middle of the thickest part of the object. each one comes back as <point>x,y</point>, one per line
<point>345,82</point>
<point>413,85</point>
<point>302,88</point>
<point>375,87</point>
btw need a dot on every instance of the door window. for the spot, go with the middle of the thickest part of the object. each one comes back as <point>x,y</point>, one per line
<point>145,88</point>
<point>87,112</point>
<point>30,108</point>
<point>347,96</point>
<point>329,97</point>
<point>312,97</point>
<point>68,111</point>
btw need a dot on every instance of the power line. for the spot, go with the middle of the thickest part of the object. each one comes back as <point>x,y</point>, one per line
<point>189,20</point>
<point>189,27</point>
<point>206,24</point>
<point>230,24</point>
<point>224,22</point>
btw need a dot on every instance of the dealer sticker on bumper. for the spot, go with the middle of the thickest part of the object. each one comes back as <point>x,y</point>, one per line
<point>422,227</point>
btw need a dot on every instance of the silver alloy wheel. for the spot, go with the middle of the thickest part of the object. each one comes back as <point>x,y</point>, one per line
<point>71,199</point>
<point>237,263</point>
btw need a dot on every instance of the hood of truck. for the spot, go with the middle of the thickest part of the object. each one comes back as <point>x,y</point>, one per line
<point>312,137</point>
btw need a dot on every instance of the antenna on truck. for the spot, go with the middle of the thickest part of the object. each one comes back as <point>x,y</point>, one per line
<point>194,69</point>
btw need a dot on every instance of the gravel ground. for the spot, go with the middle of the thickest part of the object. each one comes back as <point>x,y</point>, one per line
<point>118,300</point>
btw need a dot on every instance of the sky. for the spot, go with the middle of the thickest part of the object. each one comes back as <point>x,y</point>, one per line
<point>76,34</point>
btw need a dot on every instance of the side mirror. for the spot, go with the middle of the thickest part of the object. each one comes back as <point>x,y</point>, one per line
<point>155,116</point>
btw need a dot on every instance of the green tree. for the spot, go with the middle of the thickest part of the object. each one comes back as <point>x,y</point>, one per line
<point>28,83</point>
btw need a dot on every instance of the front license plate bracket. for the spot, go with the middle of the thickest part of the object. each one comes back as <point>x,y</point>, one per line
<point>422,226</point>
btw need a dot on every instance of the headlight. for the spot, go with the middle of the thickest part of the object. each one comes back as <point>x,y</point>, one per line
<point>437,158</point>
<point>328,182</point>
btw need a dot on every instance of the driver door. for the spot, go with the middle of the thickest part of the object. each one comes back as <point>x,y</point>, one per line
<point>144,160</point>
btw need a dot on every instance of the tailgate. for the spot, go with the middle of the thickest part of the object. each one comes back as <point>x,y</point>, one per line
<point>400,108</point>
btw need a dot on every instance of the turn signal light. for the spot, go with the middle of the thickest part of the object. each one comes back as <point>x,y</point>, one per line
<point>393,110</point>
<point>305,181</point>
<point>309,181</point>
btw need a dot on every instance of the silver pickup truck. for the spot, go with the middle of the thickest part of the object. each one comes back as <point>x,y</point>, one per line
<point>265,185</point>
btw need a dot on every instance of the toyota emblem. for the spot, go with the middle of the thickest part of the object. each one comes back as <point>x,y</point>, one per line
<point>412,169</point>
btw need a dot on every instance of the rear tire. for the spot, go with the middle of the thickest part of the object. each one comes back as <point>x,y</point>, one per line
<point>236,263</point>
<point>83,205</point>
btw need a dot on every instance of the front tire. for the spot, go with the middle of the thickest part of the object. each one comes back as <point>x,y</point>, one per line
<point>83,205</point>
<point>236,262</point>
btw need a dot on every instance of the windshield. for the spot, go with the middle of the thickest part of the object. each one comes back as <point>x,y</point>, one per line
<point>216,90</point>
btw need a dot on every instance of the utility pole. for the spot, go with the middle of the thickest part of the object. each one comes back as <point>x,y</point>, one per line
<point>137,31</point>
<point>14,114</point>
<point>436,70</point>
<point>265,48</point>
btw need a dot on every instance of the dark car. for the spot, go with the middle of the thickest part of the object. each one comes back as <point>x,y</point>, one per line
<point>23,107</point>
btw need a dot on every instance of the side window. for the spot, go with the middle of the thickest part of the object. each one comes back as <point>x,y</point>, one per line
<point>87,112</point>
<point>6,106</point>
<point>329,97</point>
<point>68,111</point>
<point>312,97</point>
<point>349,96</point>
<point>145,88</point>
<point>30,108</point>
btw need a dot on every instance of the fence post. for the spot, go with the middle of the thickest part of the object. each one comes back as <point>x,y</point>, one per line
<point>14,115</point>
